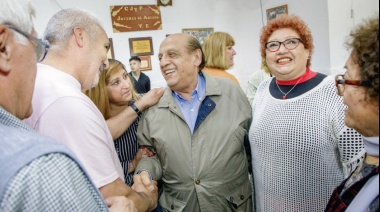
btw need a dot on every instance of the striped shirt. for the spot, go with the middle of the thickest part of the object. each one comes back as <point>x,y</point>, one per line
<point>126,147</point>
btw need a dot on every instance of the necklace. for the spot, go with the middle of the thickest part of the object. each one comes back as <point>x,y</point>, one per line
<point>286,94</point>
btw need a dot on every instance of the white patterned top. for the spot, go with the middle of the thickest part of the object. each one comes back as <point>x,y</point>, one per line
<point>301,148</point>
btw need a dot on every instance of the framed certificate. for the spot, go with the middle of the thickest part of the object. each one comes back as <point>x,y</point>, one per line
<point>141,46</point>
<point>146,63</point>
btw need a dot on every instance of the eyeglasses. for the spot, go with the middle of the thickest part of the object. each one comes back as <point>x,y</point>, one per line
<point>341,83</point>
<point>42,47</point>
<point>289,44</point>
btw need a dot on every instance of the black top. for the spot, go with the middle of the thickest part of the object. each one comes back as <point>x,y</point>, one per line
<point>143,85</point>
<point>299,90</point>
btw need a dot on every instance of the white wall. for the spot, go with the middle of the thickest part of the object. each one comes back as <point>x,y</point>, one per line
<point>315,14</point>
<point>342,21</point>
<point>241,18</point>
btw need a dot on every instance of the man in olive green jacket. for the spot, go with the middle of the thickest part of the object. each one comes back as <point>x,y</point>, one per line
<point>197,130</point>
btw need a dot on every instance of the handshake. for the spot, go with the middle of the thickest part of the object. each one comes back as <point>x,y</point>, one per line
<point>146,196</point>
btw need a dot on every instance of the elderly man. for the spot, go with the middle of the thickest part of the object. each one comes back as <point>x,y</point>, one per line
<point>197,130</point>
<point>78,54</point>
<point>36,172</point>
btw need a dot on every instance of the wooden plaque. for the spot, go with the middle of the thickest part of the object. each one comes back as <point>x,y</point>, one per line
<point>136,18</point>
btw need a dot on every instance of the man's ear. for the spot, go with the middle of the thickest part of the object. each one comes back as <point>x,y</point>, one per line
<point>5,49</point>
<point>198,57</point>
<point>79,36</point>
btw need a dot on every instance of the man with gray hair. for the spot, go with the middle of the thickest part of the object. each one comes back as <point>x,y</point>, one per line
<point>200,147</point>
<point>36,173</point>
<point>77,56</point>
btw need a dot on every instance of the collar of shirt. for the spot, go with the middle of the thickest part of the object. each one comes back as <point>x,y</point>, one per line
<point>10,120</point>
<point>190,108</point>
<point>198,93</point>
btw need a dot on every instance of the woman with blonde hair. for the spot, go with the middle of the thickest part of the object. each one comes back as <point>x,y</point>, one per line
<point>219,54</point>
<point>116,97</point>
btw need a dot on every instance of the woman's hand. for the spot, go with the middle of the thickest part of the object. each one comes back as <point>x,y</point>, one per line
<point>121,122</point>
<point>149,99</point>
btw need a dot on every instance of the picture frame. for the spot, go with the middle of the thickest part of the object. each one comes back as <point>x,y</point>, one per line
<point>274,12</point>
<point>146,63</point>
<point>141,46</point>
<point>110,53</point>
<point>200,33</point>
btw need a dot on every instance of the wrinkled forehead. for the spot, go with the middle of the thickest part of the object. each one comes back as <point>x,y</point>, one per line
<point>172,45</point>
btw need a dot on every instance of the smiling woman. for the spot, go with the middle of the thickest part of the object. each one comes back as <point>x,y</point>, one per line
<point>297,124</point>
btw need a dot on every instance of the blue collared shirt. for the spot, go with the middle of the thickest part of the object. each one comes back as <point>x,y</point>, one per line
<point>190,108</point>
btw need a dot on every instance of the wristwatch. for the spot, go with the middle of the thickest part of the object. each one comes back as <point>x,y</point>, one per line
<point>133,106</point>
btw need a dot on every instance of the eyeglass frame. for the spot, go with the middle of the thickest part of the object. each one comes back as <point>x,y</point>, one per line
<point>43,43</point>
<point>283,43</point>
<point>345,82</point>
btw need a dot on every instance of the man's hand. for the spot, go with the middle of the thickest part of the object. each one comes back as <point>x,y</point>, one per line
<point>120,203</point>
<point>149,99</point>
<point>147,188</point>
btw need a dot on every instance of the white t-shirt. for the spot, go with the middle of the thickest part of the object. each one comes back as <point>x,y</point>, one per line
<point>63,112</point>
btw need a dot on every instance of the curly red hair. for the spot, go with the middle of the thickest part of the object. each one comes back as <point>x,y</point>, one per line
<point>291,22</point>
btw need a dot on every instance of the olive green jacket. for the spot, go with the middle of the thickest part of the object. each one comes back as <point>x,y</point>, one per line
<point>206,171</point>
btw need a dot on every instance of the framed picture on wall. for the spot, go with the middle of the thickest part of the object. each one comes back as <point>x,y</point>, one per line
<point>141,46</point>
<point>200,33</point>
<point>146,63</point>
<point>274,12</point>
<point>110,53</point>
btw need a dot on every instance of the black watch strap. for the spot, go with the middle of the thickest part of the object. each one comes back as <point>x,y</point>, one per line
<point>133,106</point>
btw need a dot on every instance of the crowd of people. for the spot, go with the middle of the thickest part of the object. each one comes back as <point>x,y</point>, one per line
<point>80,133</point>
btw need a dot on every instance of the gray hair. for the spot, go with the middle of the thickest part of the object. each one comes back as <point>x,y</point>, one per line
<point>61,27</point>
<point>18,13</point>
<point>192,46</point>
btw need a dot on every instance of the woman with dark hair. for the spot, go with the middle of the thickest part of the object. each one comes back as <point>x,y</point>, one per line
<point>301,148</point>
<point>359,87</point>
